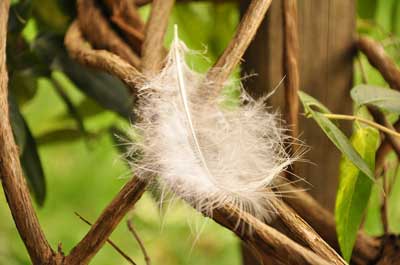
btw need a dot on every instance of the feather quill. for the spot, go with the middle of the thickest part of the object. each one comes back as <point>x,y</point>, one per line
<point>202,152</point>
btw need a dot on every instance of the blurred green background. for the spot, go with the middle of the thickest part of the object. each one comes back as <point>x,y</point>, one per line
<point>74,129</point>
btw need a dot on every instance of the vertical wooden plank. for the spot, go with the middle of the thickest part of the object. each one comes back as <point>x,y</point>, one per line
<point>326,30</point>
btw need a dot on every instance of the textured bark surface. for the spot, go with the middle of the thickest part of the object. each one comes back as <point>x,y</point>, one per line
<point>326,31</point>
<point>326,35</point>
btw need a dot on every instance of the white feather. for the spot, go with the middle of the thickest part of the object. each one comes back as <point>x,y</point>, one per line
<point>204,153</point>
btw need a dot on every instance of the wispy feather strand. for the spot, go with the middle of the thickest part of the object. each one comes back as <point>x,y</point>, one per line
<point>204,153</point>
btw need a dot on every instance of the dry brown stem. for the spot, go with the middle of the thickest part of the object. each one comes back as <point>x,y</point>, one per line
<point>298,227</point>
<point>384,150</point>
<point>100,34</point>
<point>380,118</point>
<point>153,45</point>
<point>291,67</point>
<point>232,55</point>
<point>112,215</point>
<point>109,241</point>
<point>12,179</point>
<point>145,2</point>
<point>366,249</point>
<point>125,15</point>
<point>103,60</point>
<point>264,238</point>
<point>378,58</point>
<point>140,242</point>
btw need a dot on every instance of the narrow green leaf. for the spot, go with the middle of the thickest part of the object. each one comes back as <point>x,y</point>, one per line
<point>32,166</point>
<point>29,156</point>
<point>62,135</point>
<point>337,137</point>
<point>387,99</point>
<point>354,190</point>
<point>309,102</point>
<point>17,123</point>
<point>72,111</point>
<point>20,12</point>
<point>105,89</point>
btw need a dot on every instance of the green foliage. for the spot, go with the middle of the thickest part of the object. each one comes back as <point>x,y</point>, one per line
<point>386,99</point>
<point>337,137</point>
<point>354,189</point>
<point>29,156</point>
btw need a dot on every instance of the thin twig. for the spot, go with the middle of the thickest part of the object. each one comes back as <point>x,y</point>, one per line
<point>362,120</point>
<point>12,179</point>
<point>384,206</point>
<point>109,241</point>
<point>98,234</point>
<point>139,240</point>
<point>233,53</point>
<point>153,44</point>
<point>380,118</point>
<point>380,60</point>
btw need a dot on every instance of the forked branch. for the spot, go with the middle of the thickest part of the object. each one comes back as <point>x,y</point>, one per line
<point>103,60</point>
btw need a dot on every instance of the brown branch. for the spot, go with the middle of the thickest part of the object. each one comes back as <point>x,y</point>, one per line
<point>264,238</point>
<point>96,29</point>
<point>14,185</point>
<point>291,67</point>
<point>140,242</point>
<point>98,234</point>
<point>232,55</point>
<point>81,51</point>
<point>380,60</point>
<point>125,15</point>
<point>153,45</point>
<point>297,226</point>
<point>109,241</point>
<point>366,249</point>
<point>385,202</point>
<point>380,118</point>
<point>146,2</point>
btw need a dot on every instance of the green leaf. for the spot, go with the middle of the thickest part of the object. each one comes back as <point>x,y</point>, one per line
<point>50,16</point>
<point>24,84</point>
<point>387,99</point>
<point>29,156</point>
<point>73,112</point>
<point>32,166</point>
<point>366,8</point>
<point>309,102</point>
<point>105,89</point>
<point>17,123</point>
<point>20,12</point>
<point>64,135</point>
<point>354,190</point>
<point>337,137</point>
